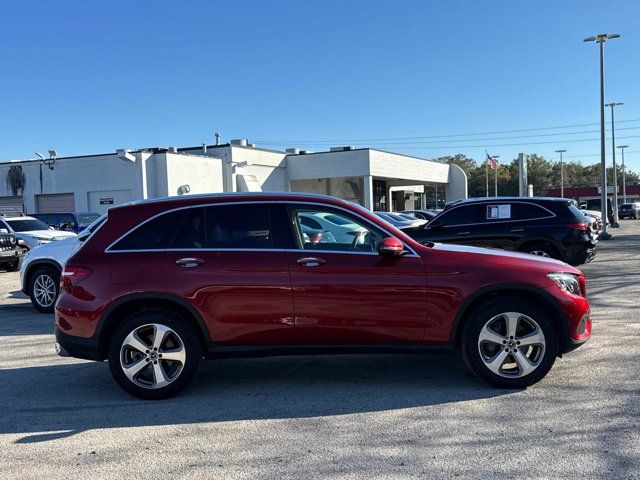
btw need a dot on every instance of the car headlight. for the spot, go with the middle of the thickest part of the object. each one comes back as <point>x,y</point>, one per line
<point>567,282</point>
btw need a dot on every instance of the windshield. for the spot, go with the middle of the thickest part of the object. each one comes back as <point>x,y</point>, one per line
<point>27,225</point>
<point>87,218</point>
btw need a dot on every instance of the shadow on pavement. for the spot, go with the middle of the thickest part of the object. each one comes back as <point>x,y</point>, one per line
<point>57,401</point>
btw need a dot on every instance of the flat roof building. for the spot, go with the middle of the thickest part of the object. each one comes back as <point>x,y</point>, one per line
<point>375,179</point>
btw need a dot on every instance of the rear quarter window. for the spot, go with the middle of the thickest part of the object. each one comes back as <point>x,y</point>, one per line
<point>154,234</point>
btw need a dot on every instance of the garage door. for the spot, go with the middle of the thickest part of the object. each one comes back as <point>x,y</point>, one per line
<point>55,203</point>
<point>11,206</point>
<point>103,200</point>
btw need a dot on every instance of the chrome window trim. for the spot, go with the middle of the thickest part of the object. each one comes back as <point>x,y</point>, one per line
<point>486,204</point>
<point>247,202</point>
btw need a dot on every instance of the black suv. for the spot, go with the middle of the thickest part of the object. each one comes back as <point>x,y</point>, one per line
<point>10,251</point>
<point>629,210</point>
<point>551,227</point>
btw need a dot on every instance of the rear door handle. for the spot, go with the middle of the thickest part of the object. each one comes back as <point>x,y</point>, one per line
<point>311,261</point>
<point>464,233</point>
<point>517,230</point>
<point>189,262</point>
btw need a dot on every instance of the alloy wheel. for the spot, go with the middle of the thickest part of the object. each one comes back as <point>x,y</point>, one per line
<point>44,290</point>
<point>152,356</point>
<point>511,344</point>
<point>540,253</point>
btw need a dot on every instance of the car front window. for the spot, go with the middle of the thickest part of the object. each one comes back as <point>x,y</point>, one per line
<point>345,234</point>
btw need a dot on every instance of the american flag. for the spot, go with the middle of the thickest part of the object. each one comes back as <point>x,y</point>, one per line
<point>492,162</point>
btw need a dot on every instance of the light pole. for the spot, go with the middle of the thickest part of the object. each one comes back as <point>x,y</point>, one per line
<point>561,173</point>
<point>600,39</point>
<point>624,178</point>
<point>616,221</point>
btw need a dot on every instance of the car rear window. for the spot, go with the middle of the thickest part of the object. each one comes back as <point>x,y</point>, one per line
<point>237,226</point>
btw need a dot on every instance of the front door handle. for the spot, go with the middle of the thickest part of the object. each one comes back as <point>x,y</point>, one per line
<point>189,262</point>
<point>464,233</point>
<point>517,230</point>
<point>311,261</point>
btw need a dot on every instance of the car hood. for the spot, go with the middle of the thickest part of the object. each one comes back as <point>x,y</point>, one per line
<point>503,257</point>
<point>58,234</point>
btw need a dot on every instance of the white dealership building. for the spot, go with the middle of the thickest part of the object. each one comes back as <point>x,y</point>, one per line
<point>376,179</point>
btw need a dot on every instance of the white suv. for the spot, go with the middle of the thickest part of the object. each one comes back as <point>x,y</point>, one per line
<point>41,268</point>
<point>32,232</point>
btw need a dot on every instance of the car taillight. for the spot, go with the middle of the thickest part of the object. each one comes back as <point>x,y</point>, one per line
<point>583,226</point>
<point>72,276</point>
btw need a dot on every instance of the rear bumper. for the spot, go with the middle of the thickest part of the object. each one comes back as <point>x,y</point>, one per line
<point>78,347</point>
<point>586,255</point>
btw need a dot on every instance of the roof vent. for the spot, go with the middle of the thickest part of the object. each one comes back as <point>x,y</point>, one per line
<point>240,141</point>
<point>292,151</point>
<point>305,152</point>
<point>342,149</point>
<point>173,150</point>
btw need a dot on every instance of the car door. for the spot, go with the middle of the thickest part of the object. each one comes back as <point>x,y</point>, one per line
<point>225,260</point>
<point>345,293</point>
<point>457,224</point>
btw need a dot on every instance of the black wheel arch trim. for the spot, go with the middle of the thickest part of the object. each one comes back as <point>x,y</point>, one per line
<point>560,317</point>
<point>134,297</point>
<point>33,266</point>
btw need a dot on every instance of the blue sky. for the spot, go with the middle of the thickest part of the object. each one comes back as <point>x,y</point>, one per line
<point>88,77</point>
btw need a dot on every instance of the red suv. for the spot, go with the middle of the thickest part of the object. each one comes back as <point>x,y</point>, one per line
<point>163,284</point>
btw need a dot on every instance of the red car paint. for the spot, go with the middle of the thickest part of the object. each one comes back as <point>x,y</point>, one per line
<point>266,298</point>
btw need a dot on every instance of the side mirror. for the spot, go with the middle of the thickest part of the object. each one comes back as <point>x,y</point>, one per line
<point>391,247</point>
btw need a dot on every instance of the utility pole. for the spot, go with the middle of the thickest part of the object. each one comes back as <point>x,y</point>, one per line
<point>600,39</point>
<point>561,173</point>
<point>616,220</point>
<point>624,177</point>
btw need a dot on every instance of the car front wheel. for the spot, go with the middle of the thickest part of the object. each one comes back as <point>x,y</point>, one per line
<point>154,354</point>
<point>509,343</point>
<point>44,286</point>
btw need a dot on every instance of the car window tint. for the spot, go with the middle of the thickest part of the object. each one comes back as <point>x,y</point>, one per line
<point>238,226</point>
<point>191,230</point>
<point>309,222</point>
<point>67,222</point>
<point>152,235</point>
<point>463,215</point>
<point>345,234</point>
<point>531,211</point>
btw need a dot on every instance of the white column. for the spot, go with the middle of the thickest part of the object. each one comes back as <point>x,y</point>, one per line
<point>368,192</point>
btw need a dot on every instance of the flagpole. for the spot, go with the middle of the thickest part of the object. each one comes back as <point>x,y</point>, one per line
<point>486,170</point>
<point>496,189</point>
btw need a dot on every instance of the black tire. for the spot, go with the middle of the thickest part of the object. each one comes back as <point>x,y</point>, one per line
<point>13,267</point>
<point>186,334</point>
<point>548,249</point>
<point>471,344</point>
<point>45,274</point>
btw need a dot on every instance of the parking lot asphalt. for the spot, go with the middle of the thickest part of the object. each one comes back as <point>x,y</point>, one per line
<point>363,416</point>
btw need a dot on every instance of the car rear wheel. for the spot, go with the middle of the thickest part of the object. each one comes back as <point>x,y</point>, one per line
<point>154,354</point>
<point>509,343</point>
<point>541,249</point>
<point>44,286</point>
<point>13,267</point>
